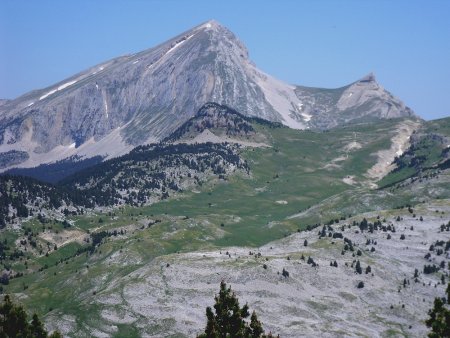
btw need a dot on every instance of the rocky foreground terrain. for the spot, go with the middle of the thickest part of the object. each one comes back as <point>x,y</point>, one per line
<point>292,294</point>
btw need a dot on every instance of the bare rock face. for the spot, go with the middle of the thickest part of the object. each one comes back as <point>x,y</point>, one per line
<point>141,98</point>
<point>360,101</point>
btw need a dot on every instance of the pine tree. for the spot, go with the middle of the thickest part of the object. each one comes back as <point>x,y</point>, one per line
<point>13,319</point>
<point>229,319</point>
<point>439,320</point>
<point>448,293</point>
<point>14,322</point>
<point>256,326</point>
<point>37,328</point>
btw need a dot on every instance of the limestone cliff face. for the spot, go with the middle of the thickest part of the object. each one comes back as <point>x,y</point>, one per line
<point>360,101</point>
<point>140,98</point>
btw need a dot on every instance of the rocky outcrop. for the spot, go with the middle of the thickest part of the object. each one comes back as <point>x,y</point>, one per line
<point>360,101</point>
<point>213,116</point>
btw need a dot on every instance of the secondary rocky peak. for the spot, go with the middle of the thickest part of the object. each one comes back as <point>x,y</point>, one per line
<point>213,123</point>
<point>213,108</point>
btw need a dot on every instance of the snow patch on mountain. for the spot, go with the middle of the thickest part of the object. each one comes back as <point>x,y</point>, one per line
<point>105,104</point>
<point>306,117</point>
<point>65,85</point>
<point>61,87</point>
<point>178,44</point>
<point>48,94</point>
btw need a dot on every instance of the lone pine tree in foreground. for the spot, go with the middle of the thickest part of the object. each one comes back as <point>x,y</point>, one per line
<point>228,318</point>
<point>14,323</point>
<point>439,320</point>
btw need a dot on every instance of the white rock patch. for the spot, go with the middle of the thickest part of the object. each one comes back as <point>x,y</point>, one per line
<point>400,143</point>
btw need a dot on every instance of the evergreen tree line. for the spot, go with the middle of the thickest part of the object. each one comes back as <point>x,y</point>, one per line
<point>146,172</point>
<point>14,322</point>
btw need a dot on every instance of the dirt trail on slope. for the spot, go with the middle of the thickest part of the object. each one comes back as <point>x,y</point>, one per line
<point>400,142</point>
<point>64,237</point>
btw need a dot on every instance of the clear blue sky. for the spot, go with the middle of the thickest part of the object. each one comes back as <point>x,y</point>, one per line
<point>406,43</point>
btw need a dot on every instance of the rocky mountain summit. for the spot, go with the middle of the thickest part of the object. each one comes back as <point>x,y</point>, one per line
<point>362,100</point>
<point>141,98</point>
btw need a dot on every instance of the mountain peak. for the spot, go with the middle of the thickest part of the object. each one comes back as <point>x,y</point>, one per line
<point>212,24</point>
<point>222,39</point>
